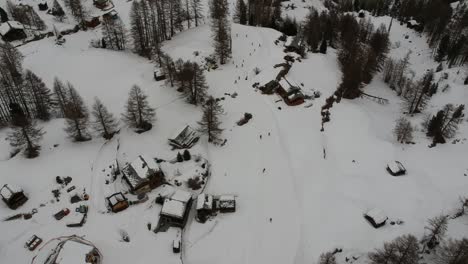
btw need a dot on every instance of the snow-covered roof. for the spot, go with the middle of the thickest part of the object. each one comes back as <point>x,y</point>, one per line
<point>173,208</point>
<point>227,201</point>
<point>137,171</point>
<point>185,136</point>
<point>377,215</point>
<point>8,190</point>
<point>7,26</point>
<point>204,201</point>
<point>116,198</point>
<point>413,22</point>
<point>73,252</point>
<point>395,166</point>
<point>182,196</point>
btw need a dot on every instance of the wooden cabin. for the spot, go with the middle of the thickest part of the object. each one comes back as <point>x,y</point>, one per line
<point>395,168</point>
<point>13,196</point>
<point>12,31</point>
<point>376,218</point>
<point>176,209</point>
<point>117,202</point>
<point>143,175</point>
<point>204,207</point>
<point>226,204</point>
<point>159,76</point>
<point>185,138</point>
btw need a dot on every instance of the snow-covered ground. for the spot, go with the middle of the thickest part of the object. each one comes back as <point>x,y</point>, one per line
<point>275,164</point>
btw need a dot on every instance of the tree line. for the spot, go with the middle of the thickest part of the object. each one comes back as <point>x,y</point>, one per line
<point>407,249</point>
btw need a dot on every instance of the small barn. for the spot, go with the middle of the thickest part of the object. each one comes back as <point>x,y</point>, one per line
<point>204,207</point>
<point>184,138</point>
<point>226,203</point>
<point>413,24</point>
<point>158,75</point>
<point>117,202</point>
<point>13,196</point>
<point>143,175</point>
<point>75,250</point>
<point>376,218</point>
<point>395,168</point>
<point>292,95</point>
<point>12,30</point>
<point>175,210</point>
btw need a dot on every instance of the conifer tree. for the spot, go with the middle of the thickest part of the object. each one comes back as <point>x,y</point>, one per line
<point>197,10</point>
<point>402,250</point>
<point>138,113</point>
<point>76,116</point>
<point>210,123</point>
<point>323,46</point>
<point>327,258</point>
<point>453,251</point>
<point>403,130</point>
<point>77,10</point>
<point>103,121</point>
<point>114,33</point>
<point>26,134</point>
<point>221,29</point>
<point>240,15</point>
<point>57,11</point>
<point>61,96</point>
<point>40,96</point>
<point>437,227</point>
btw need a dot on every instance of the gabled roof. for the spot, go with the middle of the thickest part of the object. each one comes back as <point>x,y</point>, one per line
<point>377,215</point>
<point>173,208</point>
<point>182,196</point>
<point>8,190</point>
<point>185,137</point>
<point>9,25</point>
<point>137,172</point>
<point>116,198</point>
<point>204,201</point>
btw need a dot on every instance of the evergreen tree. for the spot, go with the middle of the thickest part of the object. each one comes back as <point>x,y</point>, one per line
<point>323,46</point>
<point>402,250</point>
<point>442,49</point>
<point>197,10</point>
<point>77,10</point>
<point>138,113</point>
<point>187,155</point>
<point>76,116</point>
<point>103,121</point>
<point>210,123</point>
<point>221,29</point>
<point>327,258</point>
<point>437,227</point>
<point>40,96</point>
<point>194,84</point>
<point>26,134</point>
<point>445,123</point>
<point>57,11</point>
<point>114,33</point>
<point>61,96</point>
<point>403,130</point>
<point>240,15</point>
<point>453,252</point>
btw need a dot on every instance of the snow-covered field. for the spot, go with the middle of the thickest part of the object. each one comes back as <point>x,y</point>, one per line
<point>275,164</point>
